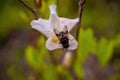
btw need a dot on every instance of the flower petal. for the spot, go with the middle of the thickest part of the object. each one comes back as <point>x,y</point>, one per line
<point>54,19</point>
<point>72,42</point>
<point>52,8</point>
<point>52,45</point>
<point>43,26</point>
<point>70,23</point>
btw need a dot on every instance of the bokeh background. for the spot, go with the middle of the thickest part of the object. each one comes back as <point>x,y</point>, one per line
<point>23,55</point>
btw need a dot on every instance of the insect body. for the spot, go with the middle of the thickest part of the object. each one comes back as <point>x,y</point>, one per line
<point>63,37</point>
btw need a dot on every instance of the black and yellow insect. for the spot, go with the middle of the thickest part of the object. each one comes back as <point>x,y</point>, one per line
<point>63,37</point>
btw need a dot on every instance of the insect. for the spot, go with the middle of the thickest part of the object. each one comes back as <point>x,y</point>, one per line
<point>63,37</point>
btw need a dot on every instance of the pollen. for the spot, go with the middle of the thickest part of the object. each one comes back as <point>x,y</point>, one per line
<point>55,39</point>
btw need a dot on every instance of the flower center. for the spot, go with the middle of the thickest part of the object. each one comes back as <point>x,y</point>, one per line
<point>55,39</point>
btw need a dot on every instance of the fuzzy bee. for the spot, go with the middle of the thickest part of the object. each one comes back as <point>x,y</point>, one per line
<point>63,37</point>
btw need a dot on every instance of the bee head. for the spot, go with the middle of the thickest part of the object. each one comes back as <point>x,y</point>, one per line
<point>62,34</point>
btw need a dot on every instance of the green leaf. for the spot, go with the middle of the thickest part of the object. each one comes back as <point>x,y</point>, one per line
<point>64,73</point>
<point>49,72</point>
<point>79,70</point>
<point>13,74</point>
<point>32,57</point>
<point>35,57</point>
<point>87,44</point>
<point>104,51</point>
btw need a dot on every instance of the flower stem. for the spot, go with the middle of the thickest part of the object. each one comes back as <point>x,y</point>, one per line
<point>32,10</point>
<point>81,4</point>
<point>64,50</point>
<point>72,72</point>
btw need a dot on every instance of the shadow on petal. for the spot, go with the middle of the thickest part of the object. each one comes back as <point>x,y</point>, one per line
<point>52,44</point>
<point>72,42</point>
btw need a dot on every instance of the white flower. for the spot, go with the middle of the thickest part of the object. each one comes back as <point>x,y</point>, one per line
<point>46,27</point>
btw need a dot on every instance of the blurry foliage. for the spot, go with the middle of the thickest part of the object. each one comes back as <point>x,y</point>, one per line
<point>35,57</point>
<point>87,44</point>
<point>102,48</point>
<point>14,75</point>
<point>104,51</point>
<point>100,38</point>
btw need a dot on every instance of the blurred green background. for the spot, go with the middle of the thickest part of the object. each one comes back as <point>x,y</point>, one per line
<point>23,55</point>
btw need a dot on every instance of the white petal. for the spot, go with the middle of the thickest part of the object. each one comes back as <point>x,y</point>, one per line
<point>52,8</point>
<point>72,42</point>
<point>54,19</point>
<point>43,26</point>
<point>70,23</point>
<point>51,45</point>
